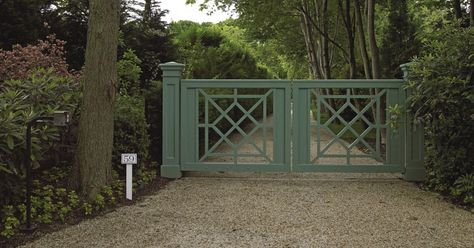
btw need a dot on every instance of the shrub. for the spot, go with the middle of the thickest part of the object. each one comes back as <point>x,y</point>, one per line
<point>21,61</point>
<point>130,129</point>
<point>28,90</point>
<point>442,81</point>
<point>39,94</point>
<point>129,71</point>
<point>130,134</point>
<point>154,116</point>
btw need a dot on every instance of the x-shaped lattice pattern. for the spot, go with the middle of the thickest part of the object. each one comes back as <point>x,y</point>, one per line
<point>211,100</point>
<point>374,152</point>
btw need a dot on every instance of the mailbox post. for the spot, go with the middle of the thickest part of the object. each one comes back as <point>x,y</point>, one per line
<point>60,119</point>
<point>129,159</point>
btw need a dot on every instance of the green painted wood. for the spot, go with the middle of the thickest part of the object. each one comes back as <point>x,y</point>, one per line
<point>352,83</point>
<point>277,89</point>
<point>414,143</point>
<point>235,83</point>
<point>386,168</point>
<point>291,125</point>
<point>234,168</point>
<point>393,137</point>
<point>189,125</point>
<point>171,119</point>
<point>301,131</point>
<point>322,101</point>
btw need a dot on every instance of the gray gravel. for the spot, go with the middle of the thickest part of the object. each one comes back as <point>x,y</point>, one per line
<point>277,210</point>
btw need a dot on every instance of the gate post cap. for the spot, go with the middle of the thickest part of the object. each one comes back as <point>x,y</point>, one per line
<point>405,69</point>
<point>171,66</point>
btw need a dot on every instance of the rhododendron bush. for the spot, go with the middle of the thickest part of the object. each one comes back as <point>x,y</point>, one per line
<point>34,81</point>
<point>22,60</point>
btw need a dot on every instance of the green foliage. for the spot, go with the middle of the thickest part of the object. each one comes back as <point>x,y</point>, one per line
<point>73,199</point>
<point>212,51</point>
<point>148,37</point>
<point>53,203</point>
<point>281,57</point>
<point>9,221</point>
<point>395,112</point>
<point>399,43</point>
<point>130,129</point>
<point>442,85</point>
<point>154,117</point>
<point>146,176</point>
<point>108,194</point>
<point>464,189</point>
<point>209,53</point>
<point>42,93</point>
<point>130,126</point>
<point>129,72</point>
<point>20,21</point>
<point>87,207</point>
<point>99,202</point>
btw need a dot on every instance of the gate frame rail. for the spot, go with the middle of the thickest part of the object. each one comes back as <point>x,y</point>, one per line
<point>174,161</point>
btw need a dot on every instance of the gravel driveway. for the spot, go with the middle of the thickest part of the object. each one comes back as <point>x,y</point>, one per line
<point>278,210</point>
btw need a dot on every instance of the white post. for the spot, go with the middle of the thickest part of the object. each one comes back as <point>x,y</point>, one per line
<point>129,181</point>
<point>129,159</point>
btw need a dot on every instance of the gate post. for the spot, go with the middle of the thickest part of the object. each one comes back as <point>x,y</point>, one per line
<point>414,142</point>
<point>171,165</point>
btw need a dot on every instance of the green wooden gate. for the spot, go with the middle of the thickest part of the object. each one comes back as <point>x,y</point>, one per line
<point>287,125</point>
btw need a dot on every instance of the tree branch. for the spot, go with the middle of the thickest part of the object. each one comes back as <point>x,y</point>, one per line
<point>344,52</point>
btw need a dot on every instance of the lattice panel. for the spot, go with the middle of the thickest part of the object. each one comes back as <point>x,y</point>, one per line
<point>347,128</point>
<point>235,127</point>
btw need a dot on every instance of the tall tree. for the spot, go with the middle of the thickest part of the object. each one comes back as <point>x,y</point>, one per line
<point>471,12</point>
<point>21,21</point>
<point>93,165</point>
<point>457,8</point>
<point>68,20</point>
<point>349,27</point>
<point>398,42</point>
<point>374,50</point>
<point>361,38</point>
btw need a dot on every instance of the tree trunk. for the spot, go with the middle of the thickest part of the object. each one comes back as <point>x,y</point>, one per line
<point>374,50</point>
<point>346,17</point>
<point>147,11</point>
<point>361,39</point>
<point>93,161</point>
<point>325,42</point>
<point>471,12</point>
<point>310,47</point>
<point>457,8</point>
<point>375,60</point>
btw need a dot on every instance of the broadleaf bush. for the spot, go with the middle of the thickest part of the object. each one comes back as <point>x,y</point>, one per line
<point>442,85</point>
<point>130,130</point>
<point>21,100</point>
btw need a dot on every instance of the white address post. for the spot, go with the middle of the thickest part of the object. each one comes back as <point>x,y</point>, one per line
<point>129,159</point>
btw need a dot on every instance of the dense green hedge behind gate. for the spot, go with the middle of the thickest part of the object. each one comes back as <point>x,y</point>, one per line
<point>442,81</point>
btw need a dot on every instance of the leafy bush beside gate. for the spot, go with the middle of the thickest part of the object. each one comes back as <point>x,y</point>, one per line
<point>28,90</point>
<point>442,80</point>
<point>41,93</point>
<point>130,130</point>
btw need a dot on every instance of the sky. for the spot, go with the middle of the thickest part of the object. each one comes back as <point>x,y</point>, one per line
<point>178,10</point>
